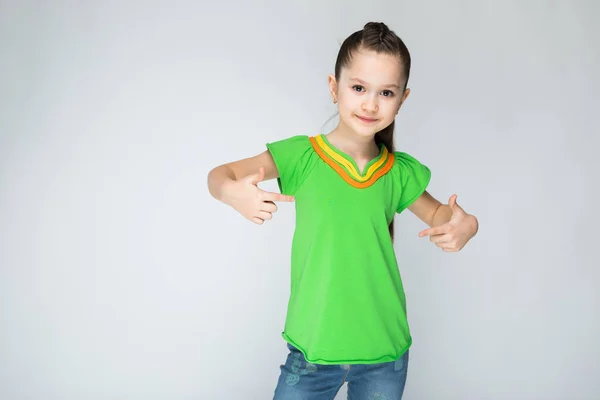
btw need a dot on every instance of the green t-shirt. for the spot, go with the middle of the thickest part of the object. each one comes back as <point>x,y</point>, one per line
<point>347,303</point>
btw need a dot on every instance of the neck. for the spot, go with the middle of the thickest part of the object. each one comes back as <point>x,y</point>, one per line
<point>352,144</point>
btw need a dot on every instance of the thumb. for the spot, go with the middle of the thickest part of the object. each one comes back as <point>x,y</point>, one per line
<point>452,201</point>
<point>453,206</point>
<point>258,177</point>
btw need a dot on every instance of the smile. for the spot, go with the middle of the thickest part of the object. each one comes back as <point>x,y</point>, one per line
<point>366,120</point>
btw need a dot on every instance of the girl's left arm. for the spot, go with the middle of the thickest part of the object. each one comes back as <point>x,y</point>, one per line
<point>451,227</point>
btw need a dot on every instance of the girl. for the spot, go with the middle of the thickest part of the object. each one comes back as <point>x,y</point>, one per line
<point>346,318</point>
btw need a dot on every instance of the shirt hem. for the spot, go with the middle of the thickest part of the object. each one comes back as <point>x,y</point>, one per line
<point>386,358</point>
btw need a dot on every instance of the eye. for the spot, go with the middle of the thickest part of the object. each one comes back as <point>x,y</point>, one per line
<point>358,88</point>
<point>388,93</point>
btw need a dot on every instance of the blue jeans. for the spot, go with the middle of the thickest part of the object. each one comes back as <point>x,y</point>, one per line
<point>301,380</point>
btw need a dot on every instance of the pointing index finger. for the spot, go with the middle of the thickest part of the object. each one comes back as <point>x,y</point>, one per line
<point>436,230</point>
<point>277,197</point>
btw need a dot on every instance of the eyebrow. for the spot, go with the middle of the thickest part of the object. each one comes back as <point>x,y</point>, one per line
<point>364,83</point>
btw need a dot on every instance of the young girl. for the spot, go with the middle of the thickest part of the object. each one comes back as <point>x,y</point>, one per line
<point>346,319</point>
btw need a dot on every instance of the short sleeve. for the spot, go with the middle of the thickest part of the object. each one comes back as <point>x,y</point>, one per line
<point>291,159</point>
<point>414,178</point>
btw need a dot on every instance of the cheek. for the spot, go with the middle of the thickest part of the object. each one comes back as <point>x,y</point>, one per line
<point>388,108</point>
<point>346,104</point>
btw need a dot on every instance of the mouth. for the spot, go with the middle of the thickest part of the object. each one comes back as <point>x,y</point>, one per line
<point>367,120</point>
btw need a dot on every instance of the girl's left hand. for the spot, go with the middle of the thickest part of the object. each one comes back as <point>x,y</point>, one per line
<point>454,234</point>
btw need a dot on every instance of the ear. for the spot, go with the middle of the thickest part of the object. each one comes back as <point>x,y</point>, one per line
<point>332,87</point>
<point>406,93</point>
<point>404,97</point>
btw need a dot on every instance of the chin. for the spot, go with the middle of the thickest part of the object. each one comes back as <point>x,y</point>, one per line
<point>366,131</point>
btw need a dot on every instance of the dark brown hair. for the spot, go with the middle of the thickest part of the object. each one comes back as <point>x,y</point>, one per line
<point>376,36</point>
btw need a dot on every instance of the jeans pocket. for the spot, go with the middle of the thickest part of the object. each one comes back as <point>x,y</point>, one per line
<point>402,362</point>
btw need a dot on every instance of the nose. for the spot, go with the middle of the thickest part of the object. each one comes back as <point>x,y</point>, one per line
<point>370,104</point>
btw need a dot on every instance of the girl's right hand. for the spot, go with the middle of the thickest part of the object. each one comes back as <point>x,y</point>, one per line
<point>253,203</point>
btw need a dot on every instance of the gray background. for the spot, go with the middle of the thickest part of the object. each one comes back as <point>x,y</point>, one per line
<point>121,278</point>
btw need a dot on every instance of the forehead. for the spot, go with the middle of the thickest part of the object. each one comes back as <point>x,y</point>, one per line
<point>373,67</point>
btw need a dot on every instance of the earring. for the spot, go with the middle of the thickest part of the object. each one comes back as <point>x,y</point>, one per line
<point>334,100</point>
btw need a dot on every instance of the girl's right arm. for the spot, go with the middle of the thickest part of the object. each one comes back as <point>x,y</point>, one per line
<point>236,184</point>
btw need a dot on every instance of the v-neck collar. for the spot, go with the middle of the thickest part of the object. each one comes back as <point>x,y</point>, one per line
<point>346,167</point>
<point>351,160</point>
